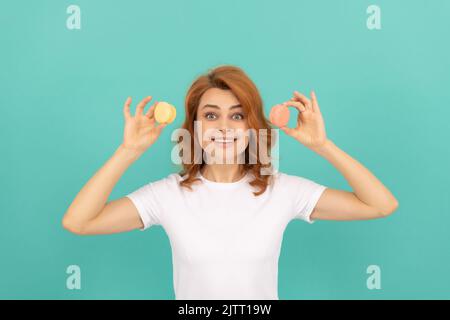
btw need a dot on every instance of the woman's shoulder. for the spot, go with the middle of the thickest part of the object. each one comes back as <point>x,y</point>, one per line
<point>289,180</point>
<point>297,183</point>
<point>279,176</point>
<point>170,180</point>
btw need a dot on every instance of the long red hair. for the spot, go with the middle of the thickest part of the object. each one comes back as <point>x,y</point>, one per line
<point>228,77</point>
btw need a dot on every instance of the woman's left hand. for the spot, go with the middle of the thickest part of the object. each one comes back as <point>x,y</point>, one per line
<point>310,130</point>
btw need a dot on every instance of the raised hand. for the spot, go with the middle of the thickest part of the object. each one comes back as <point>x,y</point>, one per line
<point>310,130</point>
<point>141,130</point>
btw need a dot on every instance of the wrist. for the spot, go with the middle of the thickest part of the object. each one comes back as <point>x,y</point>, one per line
<point>127,154</point>
<point>324,148</point>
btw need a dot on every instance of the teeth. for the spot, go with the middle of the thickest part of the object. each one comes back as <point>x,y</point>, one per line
<point>223,141</point>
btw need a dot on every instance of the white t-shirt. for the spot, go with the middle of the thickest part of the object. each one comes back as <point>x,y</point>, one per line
<point>225,240</point>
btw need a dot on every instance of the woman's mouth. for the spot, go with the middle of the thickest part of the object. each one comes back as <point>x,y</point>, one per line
<point>224,143</point>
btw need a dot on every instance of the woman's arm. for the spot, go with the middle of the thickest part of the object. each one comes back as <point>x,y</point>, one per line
<point>92,198</point>
<point>370,199</point>
<point>89,213</point>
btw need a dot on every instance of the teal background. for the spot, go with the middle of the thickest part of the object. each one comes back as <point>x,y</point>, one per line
<point>384,95</point>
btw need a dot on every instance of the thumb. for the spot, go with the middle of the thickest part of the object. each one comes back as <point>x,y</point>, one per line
<point>160,127</point>
<point>287,130</point>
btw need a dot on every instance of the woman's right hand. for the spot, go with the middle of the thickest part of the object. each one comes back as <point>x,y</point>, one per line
<point>141,131</point>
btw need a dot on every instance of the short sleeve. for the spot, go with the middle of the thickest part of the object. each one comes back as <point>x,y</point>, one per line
<point>306,195</point>
<point>147,205</point>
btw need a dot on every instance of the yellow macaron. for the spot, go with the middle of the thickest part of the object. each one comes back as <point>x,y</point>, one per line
<point>165,112</point>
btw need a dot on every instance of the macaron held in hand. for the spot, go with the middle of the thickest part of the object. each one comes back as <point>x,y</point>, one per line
<point>165,112</point>
<point>279,115</point>
<point>141,130</point>
<point>310,129</point>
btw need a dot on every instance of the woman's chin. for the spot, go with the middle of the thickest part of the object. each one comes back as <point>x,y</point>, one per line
<point>226,156</point>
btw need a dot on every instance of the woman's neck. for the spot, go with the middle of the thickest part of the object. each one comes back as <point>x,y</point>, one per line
<point>223,172</point>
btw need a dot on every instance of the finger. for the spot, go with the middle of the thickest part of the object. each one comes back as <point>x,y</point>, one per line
<point>298,105</point>
<point>303,99</point>
<point>287,130</point>
<point>151,112</point>
<point>160,127</point>
<point>141,105</point>
<point>294,98</point>
<point>315,104</point>
<point>126,108</point>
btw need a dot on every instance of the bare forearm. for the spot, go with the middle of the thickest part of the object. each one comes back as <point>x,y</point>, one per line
<point>365,185</point>
<point>93,196</point>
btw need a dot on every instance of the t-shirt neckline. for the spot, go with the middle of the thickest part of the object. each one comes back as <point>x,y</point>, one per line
<point>223,184</point>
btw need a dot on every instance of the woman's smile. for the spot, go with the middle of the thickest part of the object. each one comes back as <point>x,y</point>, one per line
<point>224,142</point>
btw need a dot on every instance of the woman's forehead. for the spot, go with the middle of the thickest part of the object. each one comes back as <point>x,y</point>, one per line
<point>218,98</point>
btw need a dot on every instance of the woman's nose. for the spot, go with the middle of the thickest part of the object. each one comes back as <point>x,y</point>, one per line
<point>227,132</point>
<point>226,125</point>
<point>223,126</point>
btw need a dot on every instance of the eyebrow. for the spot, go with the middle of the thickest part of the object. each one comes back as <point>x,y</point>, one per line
<point>217,107</point>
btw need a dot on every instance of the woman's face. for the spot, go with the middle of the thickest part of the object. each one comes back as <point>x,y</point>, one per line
<point>222,125</point>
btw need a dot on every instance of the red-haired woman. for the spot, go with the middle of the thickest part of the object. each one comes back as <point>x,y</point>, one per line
<point>226,210</point>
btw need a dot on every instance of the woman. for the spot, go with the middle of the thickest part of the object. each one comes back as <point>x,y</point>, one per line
<point>225,219</point>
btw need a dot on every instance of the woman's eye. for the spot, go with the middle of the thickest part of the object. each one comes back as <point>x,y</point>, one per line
<point>238,116</point>
<point>212,116</point>
<point>209,116</point>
